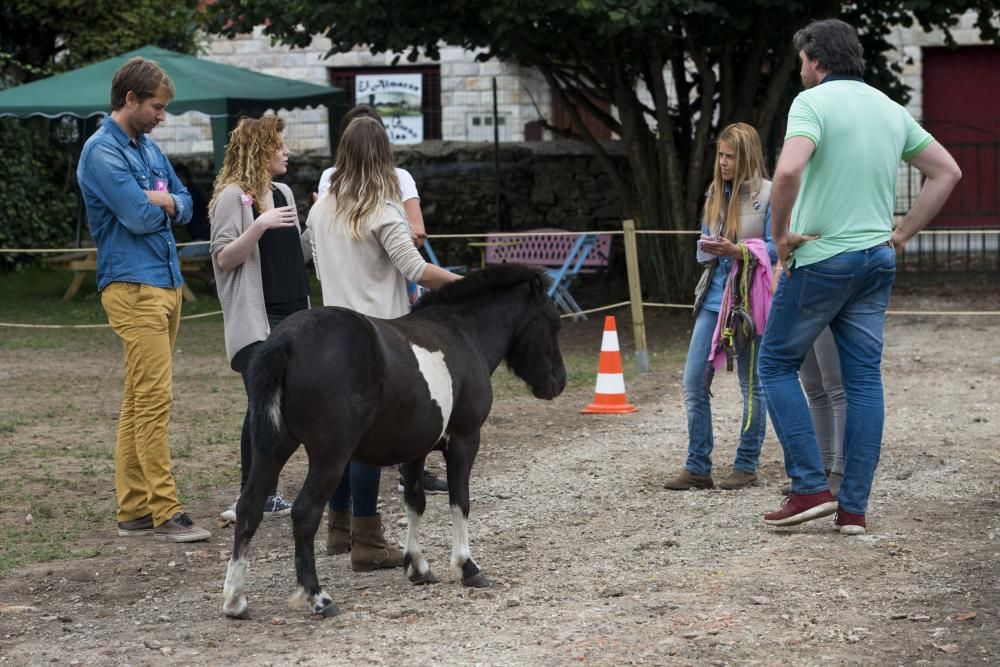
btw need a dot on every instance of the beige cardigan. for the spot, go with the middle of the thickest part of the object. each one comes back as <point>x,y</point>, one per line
<point>241,291</point>
<point>369,274</point>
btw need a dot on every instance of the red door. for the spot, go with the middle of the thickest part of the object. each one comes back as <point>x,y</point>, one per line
<point>962,111</point>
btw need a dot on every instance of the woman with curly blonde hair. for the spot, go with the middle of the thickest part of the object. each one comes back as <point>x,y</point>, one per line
<point>258,256</point>
<point>364,254</point>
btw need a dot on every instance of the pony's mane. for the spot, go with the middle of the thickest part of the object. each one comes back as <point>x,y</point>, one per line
<point>478,283</point>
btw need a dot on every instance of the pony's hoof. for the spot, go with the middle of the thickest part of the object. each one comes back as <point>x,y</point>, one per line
<point>478,580</point>
<point>425,578</point>
<point>239,611</point>
<point>329,611</point>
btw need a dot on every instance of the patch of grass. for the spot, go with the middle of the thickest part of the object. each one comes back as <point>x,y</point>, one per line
<point>10,421</point>
<point>46,478</point>
<point>53,529</point>
<point>203,484</point>
<point>34,296</point>
<point>40,509</point>
<point>33,543</point>
<point>203,431</point>
<point>87,515</point>
<point>95,450</point>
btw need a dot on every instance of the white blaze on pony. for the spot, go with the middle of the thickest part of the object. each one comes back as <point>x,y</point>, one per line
<point>435,372</point>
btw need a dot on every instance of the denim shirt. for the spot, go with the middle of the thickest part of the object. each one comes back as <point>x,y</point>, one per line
<point>134,239</point>
<point>713,297</point>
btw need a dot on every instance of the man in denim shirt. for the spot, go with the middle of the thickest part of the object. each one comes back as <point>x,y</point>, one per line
<point>133,196</point>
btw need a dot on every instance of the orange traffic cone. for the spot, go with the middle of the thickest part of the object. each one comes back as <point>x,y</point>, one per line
<point>609,395</point>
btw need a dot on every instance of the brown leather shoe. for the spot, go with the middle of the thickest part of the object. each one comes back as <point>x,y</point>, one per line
<point>686,479</point>
<point>737,479</point>
<point>338,536</point>
<point>369,550</point>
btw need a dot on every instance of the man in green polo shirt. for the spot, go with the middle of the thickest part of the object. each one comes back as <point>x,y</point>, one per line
<point>835,183</point>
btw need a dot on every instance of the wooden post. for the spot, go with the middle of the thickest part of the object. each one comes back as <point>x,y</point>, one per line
<point>635,296</point>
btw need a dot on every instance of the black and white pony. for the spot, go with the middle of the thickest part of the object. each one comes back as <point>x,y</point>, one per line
<point>385,392</point>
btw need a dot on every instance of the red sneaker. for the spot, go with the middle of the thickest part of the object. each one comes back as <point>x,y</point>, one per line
<point>850,524</point>
<point>801,507</point>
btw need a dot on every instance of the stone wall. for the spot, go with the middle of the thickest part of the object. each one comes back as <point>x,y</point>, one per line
<point>543,184</point>
<point>466,91</point>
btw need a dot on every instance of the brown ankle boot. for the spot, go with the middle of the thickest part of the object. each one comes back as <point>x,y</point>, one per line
<point>737,479</point>
<point>369,549</point>
<point>686,479</point>
<point>338,536</point>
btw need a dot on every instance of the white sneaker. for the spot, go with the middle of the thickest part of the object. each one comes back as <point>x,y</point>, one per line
<point>275,507</point>
<point>229,514</point>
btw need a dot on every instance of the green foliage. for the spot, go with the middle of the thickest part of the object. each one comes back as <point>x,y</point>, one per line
<point>39,38</point>
<point>39,210</point>
<point>42,37</point>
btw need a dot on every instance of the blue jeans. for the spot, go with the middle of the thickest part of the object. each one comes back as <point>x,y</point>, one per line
<point>697,402</point>
<point>358,490</point>
<point>850,293</point>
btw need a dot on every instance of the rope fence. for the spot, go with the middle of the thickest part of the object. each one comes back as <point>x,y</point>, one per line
<point>635,302</point>
<point>611,232</point>
<point>91,249</point>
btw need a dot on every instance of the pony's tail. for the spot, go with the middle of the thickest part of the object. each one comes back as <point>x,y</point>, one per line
<point>267,374</point>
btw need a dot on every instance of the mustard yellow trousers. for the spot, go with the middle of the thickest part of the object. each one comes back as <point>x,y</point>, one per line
<point>146,320</point>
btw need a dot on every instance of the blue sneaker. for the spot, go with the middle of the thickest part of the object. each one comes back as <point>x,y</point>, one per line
<point>276,506</point>
<point>433,485</point>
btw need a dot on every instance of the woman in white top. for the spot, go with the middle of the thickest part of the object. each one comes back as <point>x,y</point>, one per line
<point>363,256</point>
<point>408,194</point>
<point>410,198</point>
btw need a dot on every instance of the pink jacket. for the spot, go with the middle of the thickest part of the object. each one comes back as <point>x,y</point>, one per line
<point>759,295</point>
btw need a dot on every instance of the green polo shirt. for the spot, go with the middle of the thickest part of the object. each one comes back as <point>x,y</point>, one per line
<point>848,189</point>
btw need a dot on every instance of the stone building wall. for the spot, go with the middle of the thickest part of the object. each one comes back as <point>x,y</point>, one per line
<point>543,184</point>
<point>466,89</point>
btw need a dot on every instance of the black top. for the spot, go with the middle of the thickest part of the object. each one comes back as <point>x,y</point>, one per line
<point>282,266</point>
<point>200,229</point>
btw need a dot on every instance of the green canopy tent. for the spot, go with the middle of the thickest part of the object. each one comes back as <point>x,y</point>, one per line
<point>221,91</point>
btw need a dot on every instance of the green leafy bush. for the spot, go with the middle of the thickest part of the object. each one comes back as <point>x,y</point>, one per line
<point>37,201</point>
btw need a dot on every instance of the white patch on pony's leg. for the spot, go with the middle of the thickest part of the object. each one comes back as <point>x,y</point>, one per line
<point>316,604</point>
<point>234,599</point>
<point>435,371</point>
<point>275,410</point>
<point>417,564</point>
<point>460,553</point>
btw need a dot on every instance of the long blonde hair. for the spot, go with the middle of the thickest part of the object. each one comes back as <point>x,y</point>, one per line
<point>745,141</point>
<point>364,176</point>
<point>252,145</point>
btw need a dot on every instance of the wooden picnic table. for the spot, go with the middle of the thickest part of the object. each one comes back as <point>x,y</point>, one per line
<point>85,261</point>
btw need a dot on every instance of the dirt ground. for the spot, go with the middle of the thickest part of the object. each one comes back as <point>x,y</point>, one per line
<point>592,560</point>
